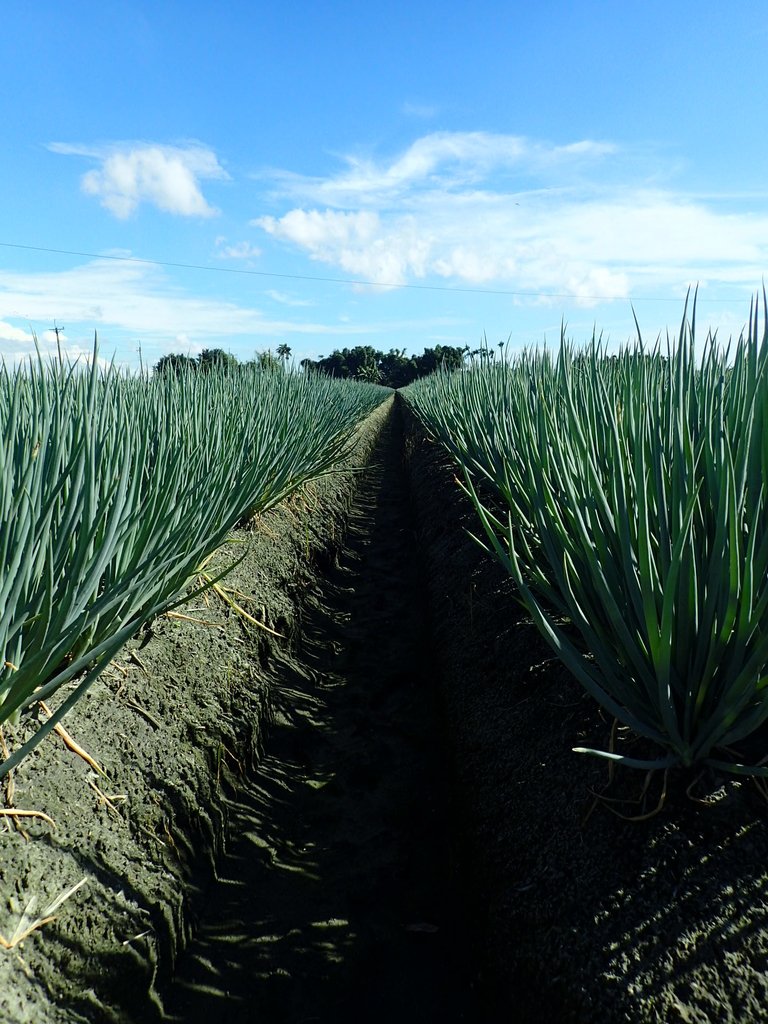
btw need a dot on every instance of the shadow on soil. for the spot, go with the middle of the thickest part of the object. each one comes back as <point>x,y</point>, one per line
<point>340,897</point>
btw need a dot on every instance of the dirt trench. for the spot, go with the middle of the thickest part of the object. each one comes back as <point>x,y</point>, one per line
<point>381,881</point>
<point>278,828</point>
<point>340,897</point>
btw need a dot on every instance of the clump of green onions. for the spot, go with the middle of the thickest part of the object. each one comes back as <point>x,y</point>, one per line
<point>628,493</point>
<point>113,489</point>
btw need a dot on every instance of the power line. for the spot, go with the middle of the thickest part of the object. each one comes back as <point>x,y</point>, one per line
<point>344,280</point>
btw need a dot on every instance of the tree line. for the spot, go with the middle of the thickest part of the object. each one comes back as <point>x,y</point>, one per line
<point>211,357</point>
<point>393,369</point>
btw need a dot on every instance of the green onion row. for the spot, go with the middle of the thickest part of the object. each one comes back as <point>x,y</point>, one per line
<point>113,489</point>
<point>628,493</point>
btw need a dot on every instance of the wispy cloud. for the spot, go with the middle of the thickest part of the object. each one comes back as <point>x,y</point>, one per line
<point>450,162</point>
<point>18,346</point>
<point>136,302</point>
<point>236,250</point>
<point>129,174</point>
<point>505,211</point>
<point>287,300</point>
<point>426,111</point>
<point>135,298</point>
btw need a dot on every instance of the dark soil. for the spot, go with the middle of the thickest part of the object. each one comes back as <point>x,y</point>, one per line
<point>588,916</point>
<point>339,898</point>
<point>376,816</point>
<point>177,723</point>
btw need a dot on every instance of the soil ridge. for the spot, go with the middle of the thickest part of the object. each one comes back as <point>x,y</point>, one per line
<point>587,916</point>
<point>175,723</point>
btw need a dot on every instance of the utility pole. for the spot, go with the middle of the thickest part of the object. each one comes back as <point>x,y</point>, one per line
<point>57,331</point>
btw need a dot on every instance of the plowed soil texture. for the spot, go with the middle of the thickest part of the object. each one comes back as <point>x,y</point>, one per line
<point>269,833</point>
<point>340,897</point>
<point>344,789</point>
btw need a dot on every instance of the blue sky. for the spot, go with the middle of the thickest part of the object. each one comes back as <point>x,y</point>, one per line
<point>400,175</point>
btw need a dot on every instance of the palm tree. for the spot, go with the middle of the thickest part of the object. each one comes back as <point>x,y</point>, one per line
<point>284,352</point>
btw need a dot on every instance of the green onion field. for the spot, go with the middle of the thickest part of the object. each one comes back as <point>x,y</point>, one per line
<point>324,702</point>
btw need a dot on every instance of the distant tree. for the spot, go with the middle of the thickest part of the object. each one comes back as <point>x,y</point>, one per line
<point>393,368</point>
<point>451,357</point>
<point>283,353</point>
<point>336,364</point>
<point>211,357</point>
<point>174,363</point>
<point>267,360</point>
<point>484,354</point>
<point>397,369</point>
<point>369,372</point>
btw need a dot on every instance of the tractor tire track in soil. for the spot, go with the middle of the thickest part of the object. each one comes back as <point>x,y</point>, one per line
<point>340,897</point>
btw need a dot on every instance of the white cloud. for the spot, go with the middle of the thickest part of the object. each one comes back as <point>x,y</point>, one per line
<point>135,297</point>
<point>47,347</point>
<point>236,250</point>
<point>356,242</point>
<point>443,161</point>
<point>135,303</point>
<point>510,213</point>
<point>167,177</point>
<point>10,333</point>
<point>313,229</point>
<point>17,344</point>
<point>421,110</point>
<point>182,343</point>
<point>287,300</point>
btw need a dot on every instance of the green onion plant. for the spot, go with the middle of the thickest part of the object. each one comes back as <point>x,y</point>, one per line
<point>113,488</point>
<point>628,493</point>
